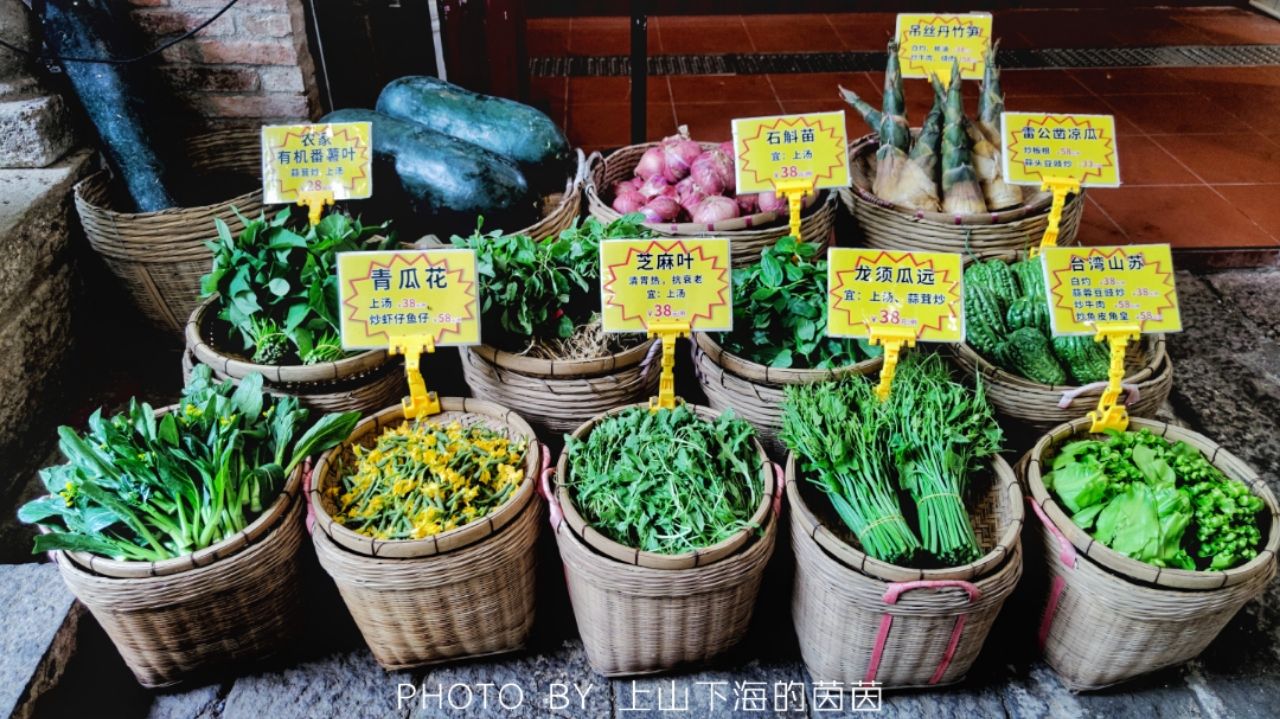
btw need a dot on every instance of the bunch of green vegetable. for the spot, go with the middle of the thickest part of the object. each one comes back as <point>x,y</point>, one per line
<point>143,487</point>
<point>666,481</point>
<point>1158,502</point>
<point>920,446</point>
<point>781,303</point>
<point>536,290</point>
<point>278,289</point>
<point>1007,322</point>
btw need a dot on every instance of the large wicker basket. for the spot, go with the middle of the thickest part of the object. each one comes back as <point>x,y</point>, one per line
<point>637,618</point>
<point>366,382</point>
<point>234,602</point>
<point>558,396</point>
<point>747,235</point>
<point>160,256</point>
<point>1109,618</point>
<point>756,392</point>
<point>891,227</point>
<point>1147,383</point>
<point>862,620</point>
<point>468,592</point>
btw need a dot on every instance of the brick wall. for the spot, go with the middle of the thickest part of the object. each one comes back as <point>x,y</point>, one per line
<point>251,65</point>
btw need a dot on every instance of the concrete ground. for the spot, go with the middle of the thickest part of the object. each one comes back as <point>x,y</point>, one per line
<point>1227,385</point>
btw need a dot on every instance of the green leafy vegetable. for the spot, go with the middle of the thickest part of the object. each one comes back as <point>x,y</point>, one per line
<point>140,488</point>
<point>666,481</point>
<point>278,289</point>
<point>781,303</point>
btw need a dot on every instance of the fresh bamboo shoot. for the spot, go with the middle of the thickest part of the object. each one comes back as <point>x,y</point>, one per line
<point>986,141</point>
<point>961,191</point>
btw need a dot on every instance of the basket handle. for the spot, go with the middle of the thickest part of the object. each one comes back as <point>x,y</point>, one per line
<point>1066,553</point>
<point>307,469</point>
<point>891,596</point>
<point>580,172</point>
<point>1066,550</point>
<point>544,485</point>
<point>586,170</point>
<point>897,589</point>
<point>777,489</point>
<point>1131,396</point>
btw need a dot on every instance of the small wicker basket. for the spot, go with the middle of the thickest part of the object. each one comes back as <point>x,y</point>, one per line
<point>756,392</point>
<point>366,382</point>
<point>1109,618</point>
<point>160,256</point>
<point>468,592</point>
<point>860,619</point>
<point>891,227</point>
<point>747,235</point>
<point>646,613</point>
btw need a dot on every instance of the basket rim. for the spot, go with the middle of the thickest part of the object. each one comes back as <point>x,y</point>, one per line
<point>1003,480</point>
<point>1132,569</point>
<point>870,142</point>
<point>232,366</point>
<point>624,554</point>
<point>513,362</point>
<point>454,539</point>
<point>755,372</point>
<point>256,530</point>
<point>1157,363</point>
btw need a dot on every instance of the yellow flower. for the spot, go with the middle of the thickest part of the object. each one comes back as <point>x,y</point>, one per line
<point>403,487</point>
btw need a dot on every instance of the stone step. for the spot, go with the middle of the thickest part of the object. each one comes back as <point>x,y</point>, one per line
<point>38,637</point>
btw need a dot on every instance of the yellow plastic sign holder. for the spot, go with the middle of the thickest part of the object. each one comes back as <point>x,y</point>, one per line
<point>1060,187</point>
<point>420,402</point>
<point>892,339</point>
<point>315,201</point>
<point>1111,414</point>
<point>795,191</point>
<point>668,332</point>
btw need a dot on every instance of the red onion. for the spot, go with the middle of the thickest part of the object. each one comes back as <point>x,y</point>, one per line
<point>661,209</point>
<point>655,186</point>
<point>715,208</point>
<point>748,204</point>
<point>712,172</point>
<point>652,162</point>
<point>627,185</point>
<point>678,154</point>
<point>628,201</point>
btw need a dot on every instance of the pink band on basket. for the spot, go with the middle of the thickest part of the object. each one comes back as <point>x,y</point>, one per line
<point>556,514</point>
<point>306,494</point>
<point>1067,554</point>
<point>1068,396</point>
<point>777,489</point>
<point>891,596</point>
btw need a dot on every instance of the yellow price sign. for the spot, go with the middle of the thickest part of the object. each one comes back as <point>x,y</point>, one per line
<point>385,295</point>
<point>666,281</point>
<point>1038,146</point>
<point>919,291</point>
<point>928,43</point>
<point>329,157</point>
<point>807,148</point>
<point>1129,284</point>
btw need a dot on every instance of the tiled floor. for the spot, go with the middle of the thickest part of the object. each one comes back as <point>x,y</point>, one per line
<point>1199,147</point>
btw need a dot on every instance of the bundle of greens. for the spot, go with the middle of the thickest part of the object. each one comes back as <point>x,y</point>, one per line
<point>668,481</point>
<point>142,487</point>
<point>421,479</point>
<point>278,289</point>
<point>539,296</point>
<point>782,302</point>
<point>1157,501</point>
<point>920,446</point>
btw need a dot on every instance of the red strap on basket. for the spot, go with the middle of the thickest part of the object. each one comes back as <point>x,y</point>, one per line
<point>306,494</point>
<point>1067,554</point>
<point>1131,393</point>
<point>544,483</point>
<point>891,596</point>
<point>777,489</point>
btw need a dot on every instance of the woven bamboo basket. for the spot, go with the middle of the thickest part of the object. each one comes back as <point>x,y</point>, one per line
<point>464,593</point>
<point>160,256</point>
<point>1147,383</point>
<point>892,227</point>
<point>637,617</point>
<point>1109,618</point>
<point>862,620</point>
<point>236,601</point>
<point>558,396</point>
<point>366,382</point>
<point>756,392</point>
<point>747,235</point>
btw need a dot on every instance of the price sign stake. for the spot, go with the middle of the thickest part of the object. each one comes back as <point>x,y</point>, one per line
<point>894,299</point>
<point>666,288</point>
<point>792,155</point>
<point>314,165</point>
<point>1060,153</point>
<point>409,302</point>
<point>1115,294</point>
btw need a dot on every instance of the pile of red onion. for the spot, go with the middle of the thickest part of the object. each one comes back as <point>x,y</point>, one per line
<point>677,181</point>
